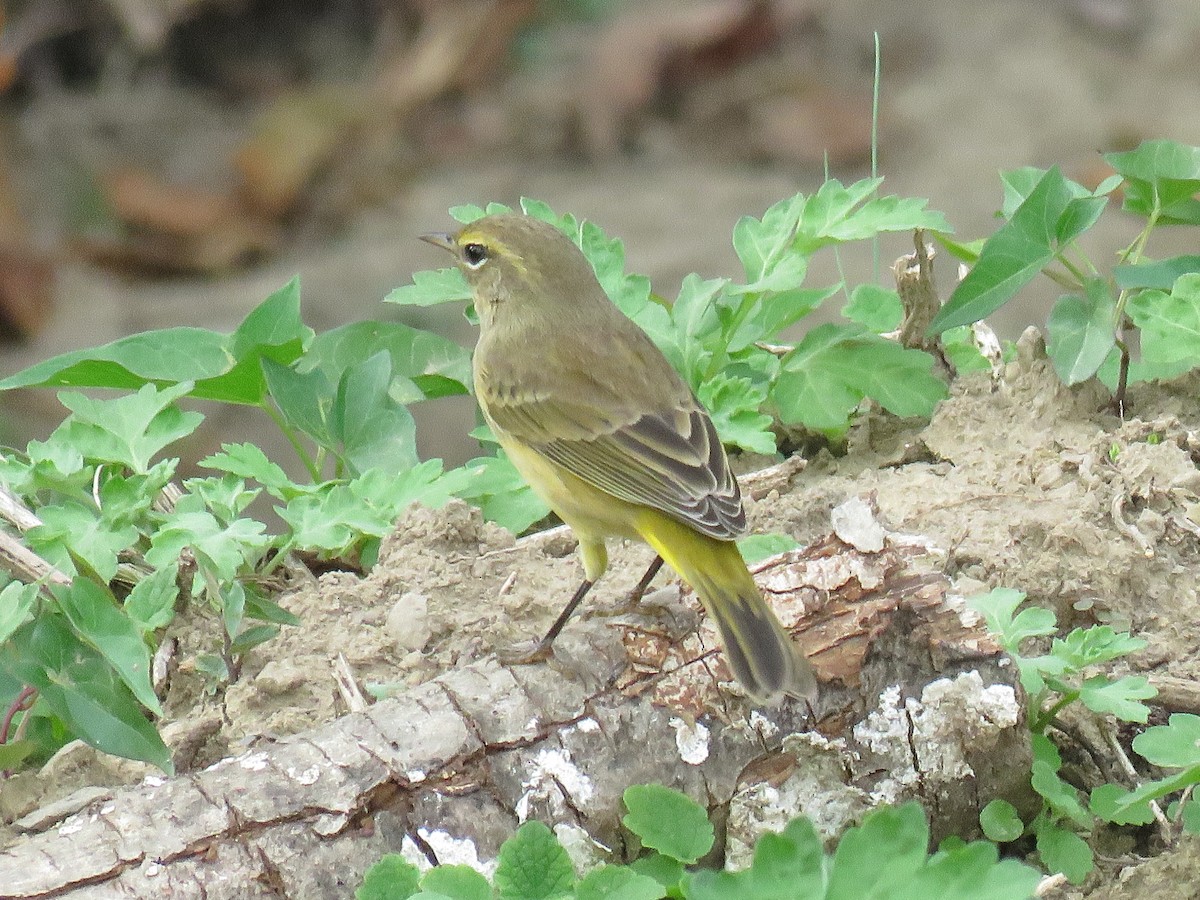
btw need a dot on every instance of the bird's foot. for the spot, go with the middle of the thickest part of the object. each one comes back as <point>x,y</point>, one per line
<point>525,653</point>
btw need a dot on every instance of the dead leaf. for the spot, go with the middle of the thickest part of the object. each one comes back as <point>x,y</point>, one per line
<point>294,140</point>
<point>26,291</point>
<point>170,228</point>
<point>652,47</point>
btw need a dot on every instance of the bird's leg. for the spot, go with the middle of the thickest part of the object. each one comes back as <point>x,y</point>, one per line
<point>634,598</point>
<point>523,655</point>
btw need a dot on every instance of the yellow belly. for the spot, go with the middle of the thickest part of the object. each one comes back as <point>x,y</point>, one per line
<point>593,514</point>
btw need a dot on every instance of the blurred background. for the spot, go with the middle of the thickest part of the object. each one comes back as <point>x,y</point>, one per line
<point>171,162</point>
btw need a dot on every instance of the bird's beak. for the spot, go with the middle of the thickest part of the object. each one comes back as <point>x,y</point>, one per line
<point>440,239</point>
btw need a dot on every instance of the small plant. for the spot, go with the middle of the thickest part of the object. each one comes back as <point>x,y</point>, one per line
<point>1055,680</point>
<point>1090,326</point>
<point>887,856</point>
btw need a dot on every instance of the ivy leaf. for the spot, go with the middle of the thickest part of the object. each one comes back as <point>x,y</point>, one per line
<point>1081,332</point>
<point>1054,213</point>
<point>876,308</point>
<point>1170,323</point>
<point>834,367</point>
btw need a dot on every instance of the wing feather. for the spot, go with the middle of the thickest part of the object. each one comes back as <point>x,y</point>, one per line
<point>671,460</point>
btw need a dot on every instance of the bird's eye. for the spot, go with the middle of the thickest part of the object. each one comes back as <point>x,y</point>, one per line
<point>475,255</point>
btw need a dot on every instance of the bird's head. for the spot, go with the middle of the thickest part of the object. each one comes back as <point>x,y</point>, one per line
<point>515,259</point>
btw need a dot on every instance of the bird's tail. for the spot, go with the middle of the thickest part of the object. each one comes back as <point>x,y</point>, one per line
<point>763,657</point>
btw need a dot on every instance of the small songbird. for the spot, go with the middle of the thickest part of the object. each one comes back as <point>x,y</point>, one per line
<point>609,435</point>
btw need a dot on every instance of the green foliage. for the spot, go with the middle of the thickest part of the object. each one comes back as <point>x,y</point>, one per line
<point>886,856</point>
<point>1053,681</point>
<point>668,821</point>
<point>722,335</point>
<point>1045,216</point>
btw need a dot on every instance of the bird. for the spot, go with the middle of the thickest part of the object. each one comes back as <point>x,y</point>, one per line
<point>610,436</point>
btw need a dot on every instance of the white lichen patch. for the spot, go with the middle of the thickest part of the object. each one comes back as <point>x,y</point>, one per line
<point>586,853</point>
<point>304,776</point>
<point>254,762</point>
<point>448,849</point>
<point>816,788</point>
<point>691,739</point>
<point>552,775</point>
<point>927,740</point>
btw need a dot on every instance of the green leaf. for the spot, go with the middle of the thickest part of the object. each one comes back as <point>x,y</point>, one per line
<point>436,365</point>
<point>834,367</point>
<point>172,354</point>
<point>533,865</point>
<point>998,607</point>
<point>734,403</point>
<point>888,849</point>
<point>836,214</point>
<point>618,883</point>
<point>72,528</point>
<point>13,753</point>
<point>1176,744</point>
<point>790,864</point>
<point>666,871</point>
<point>757,547</point>
<point>695,321</point>
<point>129,430</point>
<point>1081,332</point>
<point>1000,822</point>
<point>1061,797</point>
<point>668,821</point>
<point>151,603</point>
<point>876,308</point>
<point>392,878</point>
<point>498,489</point>
<point>1161,176</point>
<point>1048,217</point>
<point>1189,816</point>
<point>222,367</point>
<point>972,871</point>
<point>430,288</point>
<point>1122,697</point>
<point>1064,851</point>
<point>251,637</point>
<point>78,686</point>
<point>374,430</point>
<point>224,549</point>
<point>1093,645</point>
<point>1113,803</point>
<point>773,311</point>
<point>249,461</point>
<point>16,605</point>
<point>457,883</point>
<point>1170,323</point>
<point>1160,274</point>
<point>304,399</point>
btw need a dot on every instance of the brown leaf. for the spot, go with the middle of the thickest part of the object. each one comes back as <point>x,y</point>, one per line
<point>175,229</point>
<point>292,142</point>
<point>652,47</point>
<point>26,291</point>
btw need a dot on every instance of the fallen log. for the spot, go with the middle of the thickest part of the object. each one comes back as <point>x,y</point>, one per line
<point>917,701</point>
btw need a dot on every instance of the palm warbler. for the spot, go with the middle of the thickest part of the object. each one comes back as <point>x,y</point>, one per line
<point>607,433</point>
